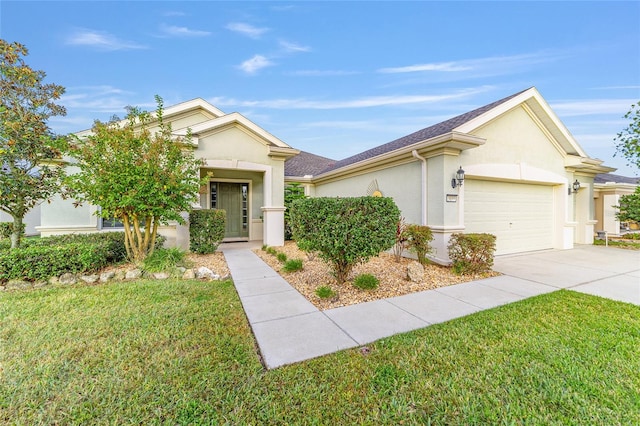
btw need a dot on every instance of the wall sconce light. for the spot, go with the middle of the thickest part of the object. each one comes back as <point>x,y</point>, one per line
<point>575,186</point>
<point>457,181</point>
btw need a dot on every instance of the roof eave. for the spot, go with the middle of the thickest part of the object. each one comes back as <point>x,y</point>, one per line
<point>454,142</point>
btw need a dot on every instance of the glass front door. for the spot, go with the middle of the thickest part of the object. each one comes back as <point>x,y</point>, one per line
<point>234,199</point>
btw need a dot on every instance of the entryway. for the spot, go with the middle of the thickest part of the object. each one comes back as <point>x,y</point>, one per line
<point>233,197</point>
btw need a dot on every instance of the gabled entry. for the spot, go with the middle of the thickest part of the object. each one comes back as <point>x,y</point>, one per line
<point>232,197</point>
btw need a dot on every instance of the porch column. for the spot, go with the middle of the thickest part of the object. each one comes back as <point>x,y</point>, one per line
<point>273,231</point>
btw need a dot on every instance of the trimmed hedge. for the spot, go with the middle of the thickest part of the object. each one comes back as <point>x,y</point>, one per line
<point>206,230</point>
<point>6,229</point>
<point>42,262</point>
<point>344,231</point>
<point>472,253</point>
<point>42,258</point>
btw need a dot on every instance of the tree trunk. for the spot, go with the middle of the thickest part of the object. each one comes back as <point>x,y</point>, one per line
<point>152,247</point>
<point>16,235</point>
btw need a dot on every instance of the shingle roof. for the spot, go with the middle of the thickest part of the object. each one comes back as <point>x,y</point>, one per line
<point>305,164</point>
<point>608,177</point>
<point>421,135</point>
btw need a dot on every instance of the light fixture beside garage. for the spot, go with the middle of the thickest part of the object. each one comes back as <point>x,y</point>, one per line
<point>457,181</point>
<point>575,186</point>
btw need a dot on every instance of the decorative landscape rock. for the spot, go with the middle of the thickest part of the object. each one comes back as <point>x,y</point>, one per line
<point>415,272</point>
<point>205,273</point>
<point>133,274</point>
<point>160,275</point>
<point>90,279</point>
<point>106,276</point>
<point>67,278</point>
<point>18,285</point>
<point>189,274</point>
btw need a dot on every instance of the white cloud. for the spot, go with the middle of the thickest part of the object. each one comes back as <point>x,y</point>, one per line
<point>255,64</point>
<point>293,47</point>
<point>246,29</point>
<point>176,31</point>
<point>443,66</point>
<point>493,65</point>
<point>616,88</point>
<point>365,102</point>
<point>100,40</point>
<point>571,108</point>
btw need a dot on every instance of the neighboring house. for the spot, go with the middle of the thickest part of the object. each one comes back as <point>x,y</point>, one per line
<point>246,168</point>
<point>520,165</point>
<point>608,190</point>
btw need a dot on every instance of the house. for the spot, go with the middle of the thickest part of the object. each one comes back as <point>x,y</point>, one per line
<point>608,190</point>
<point>526,179</point>
<point>245,168</point>
<point>509,168</point>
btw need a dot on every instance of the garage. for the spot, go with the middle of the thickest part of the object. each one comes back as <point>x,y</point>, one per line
<point>521,216</point>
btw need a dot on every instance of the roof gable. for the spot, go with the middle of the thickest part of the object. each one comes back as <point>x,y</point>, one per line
<point>447,126</point>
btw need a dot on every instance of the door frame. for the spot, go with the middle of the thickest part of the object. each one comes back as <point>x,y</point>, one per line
<point>249,201</point>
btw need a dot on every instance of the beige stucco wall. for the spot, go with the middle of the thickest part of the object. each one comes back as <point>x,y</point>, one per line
<point>402,183</point>
<point>515,138</point>
<point>185,120</point>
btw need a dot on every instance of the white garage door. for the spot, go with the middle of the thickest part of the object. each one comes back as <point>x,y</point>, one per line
<point>519,215</point>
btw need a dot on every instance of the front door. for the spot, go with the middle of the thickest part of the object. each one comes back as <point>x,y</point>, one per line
<point>234,199</point>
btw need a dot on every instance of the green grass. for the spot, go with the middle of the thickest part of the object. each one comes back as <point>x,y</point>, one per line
<point>181,352</point>
<point>626,244</point>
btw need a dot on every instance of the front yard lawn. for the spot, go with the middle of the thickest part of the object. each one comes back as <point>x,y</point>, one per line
<point>181,352</point>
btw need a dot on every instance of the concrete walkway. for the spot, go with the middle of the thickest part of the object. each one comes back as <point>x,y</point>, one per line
<point>289,329</point>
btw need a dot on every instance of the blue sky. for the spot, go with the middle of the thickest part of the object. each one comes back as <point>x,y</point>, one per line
<point>336,78</point>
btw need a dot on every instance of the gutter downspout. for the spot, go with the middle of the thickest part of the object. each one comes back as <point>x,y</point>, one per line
<point>424,185</point>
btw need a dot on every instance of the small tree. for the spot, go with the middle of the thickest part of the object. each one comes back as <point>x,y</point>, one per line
<point>629,146</point>
<point>418,239</point>
<point>628,140</point>
<point>139,177</point>
<point>27,146</point>
<point>345,231</point>
<point>629,208</point>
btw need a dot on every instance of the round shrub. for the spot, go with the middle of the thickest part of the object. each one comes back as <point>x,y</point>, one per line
<point>344,231</point>
<point>366,282</point>
<point>325,292</point>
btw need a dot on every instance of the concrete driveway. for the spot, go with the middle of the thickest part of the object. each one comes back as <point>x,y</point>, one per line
<point>601,271</point>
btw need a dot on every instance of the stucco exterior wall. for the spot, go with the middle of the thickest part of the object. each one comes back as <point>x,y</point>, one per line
<point>515,138</point>
<point>402,183</point>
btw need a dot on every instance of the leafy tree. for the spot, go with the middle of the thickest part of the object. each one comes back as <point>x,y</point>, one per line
<point>629,138</point>
<point>629,146</point>
<point>27,146</point>
<point>138,173</point>
<point>629,207</point>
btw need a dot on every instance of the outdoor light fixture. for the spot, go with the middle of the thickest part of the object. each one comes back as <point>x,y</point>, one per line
<point>457,181</point>
<point>575,186</point>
